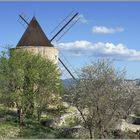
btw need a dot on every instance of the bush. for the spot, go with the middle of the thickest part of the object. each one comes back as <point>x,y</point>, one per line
<point>71,121</point>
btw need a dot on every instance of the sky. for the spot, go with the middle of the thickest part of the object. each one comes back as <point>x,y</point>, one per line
<point>105,30</point>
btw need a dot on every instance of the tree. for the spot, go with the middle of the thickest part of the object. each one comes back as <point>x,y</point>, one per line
<point>29,81</point>
<point>101,96</point>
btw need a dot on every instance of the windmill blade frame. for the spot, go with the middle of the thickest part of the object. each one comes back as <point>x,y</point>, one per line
<point>63,27</point>
<point>70,14</point>
<point>23,19</point>
<point>68,29</point>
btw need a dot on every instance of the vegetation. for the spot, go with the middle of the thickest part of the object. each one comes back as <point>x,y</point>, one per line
<point>102,98</point>
<point>10,128</point>
<point>29,83</point>
<point>32,99</point>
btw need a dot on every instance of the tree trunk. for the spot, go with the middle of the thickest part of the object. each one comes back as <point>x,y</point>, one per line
<point>88,126</point>
<point>90,132</point>
<point>20,116</point>
<point>39,115</point>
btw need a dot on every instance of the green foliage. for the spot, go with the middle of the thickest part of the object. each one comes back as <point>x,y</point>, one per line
<point>137,114</point>
<point>71,121</point>
<point>29,81</point>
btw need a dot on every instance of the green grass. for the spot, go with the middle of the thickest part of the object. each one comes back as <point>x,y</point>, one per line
<point>35,130</point>
<point>9,128</point>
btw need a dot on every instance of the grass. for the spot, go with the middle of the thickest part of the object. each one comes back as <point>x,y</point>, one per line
<point>9,128</point>
<point>35,130</point>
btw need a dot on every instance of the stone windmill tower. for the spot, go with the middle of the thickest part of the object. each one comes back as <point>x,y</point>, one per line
<point>34,40</point>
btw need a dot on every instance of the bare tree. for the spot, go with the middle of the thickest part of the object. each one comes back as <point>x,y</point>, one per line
<point>101,96</point>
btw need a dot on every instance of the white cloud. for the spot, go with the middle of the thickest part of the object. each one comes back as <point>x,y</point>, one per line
<point>83,47</point>
<point>83,19</point>
<point>106,30</point>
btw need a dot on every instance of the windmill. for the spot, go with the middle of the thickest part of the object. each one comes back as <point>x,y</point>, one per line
<point>34,38</point>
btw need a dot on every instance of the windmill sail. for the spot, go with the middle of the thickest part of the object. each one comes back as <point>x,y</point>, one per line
<point>64,27</point>
<point>23,20</point>
<point>68,29</point>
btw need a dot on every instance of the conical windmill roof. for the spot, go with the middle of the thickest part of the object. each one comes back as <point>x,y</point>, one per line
<point>34,36</point>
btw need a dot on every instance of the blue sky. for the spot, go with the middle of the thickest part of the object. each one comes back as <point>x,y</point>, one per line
<point>106,29</point>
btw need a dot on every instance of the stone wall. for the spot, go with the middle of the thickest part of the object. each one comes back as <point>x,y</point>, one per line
<point>46,52</point>
<point>125,126</point>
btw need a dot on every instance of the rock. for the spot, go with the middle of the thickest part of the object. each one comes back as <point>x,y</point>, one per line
<point>133,120</point>
<point>48,123</point>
